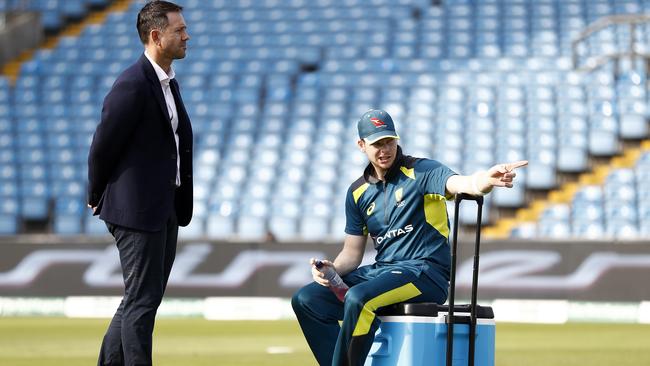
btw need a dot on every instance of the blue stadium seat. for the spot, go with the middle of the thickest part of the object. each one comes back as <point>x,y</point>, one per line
<point>634,125</point>
<point>93,226</point>
<point>603,143</point>
<point>284,229</point>
<point>9,205</point>
<point>555,229</point>
<point>34,207</point>
<point>220,226</point>
<point>67,224</point>
<point>540,176</point>
<point>251,227</point>
<point>195,230</point>
<point>572,159</point>
<point>514,197</point>
<point>8,224</point>
<point>484,81</point>
<point>314,228</point>
<point>467,213</point>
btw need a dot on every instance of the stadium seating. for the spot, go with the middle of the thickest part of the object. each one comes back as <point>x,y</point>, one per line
<point>55,13</point>
<point>274,90</point>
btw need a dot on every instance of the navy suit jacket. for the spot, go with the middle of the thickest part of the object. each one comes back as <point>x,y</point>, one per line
<point>132,159</point>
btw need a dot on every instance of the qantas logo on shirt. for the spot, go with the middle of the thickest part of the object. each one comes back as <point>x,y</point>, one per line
<point>394,233</point>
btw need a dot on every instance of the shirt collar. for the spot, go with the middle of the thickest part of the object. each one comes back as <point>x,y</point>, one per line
<point>162,75</point>
<point>368,173</point>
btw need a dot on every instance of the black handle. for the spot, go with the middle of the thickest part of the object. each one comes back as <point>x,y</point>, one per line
<point>452,280</point>
<point>469,197</point>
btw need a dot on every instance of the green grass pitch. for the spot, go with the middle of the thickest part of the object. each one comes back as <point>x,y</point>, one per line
<point>195,342</point>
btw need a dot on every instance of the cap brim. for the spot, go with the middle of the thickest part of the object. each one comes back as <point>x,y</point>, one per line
<point>381,135</point>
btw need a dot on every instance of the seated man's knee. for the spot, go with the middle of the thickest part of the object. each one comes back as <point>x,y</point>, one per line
<point>354,298</point>
<point>297,299</point>
<point>302,297</point>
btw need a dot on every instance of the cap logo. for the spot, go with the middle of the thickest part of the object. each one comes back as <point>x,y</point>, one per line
<point>377,122</point>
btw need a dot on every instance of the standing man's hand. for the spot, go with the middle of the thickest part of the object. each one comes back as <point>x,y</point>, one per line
<point>93,208</point>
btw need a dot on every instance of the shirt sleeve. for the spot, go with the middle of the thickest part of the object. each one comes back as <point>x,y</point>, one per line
<point>433,176</point>
<point>354,224</point>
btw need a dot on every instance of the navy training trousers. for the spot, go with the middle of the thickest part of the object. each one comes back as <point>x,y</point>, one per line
<point>371,287</point>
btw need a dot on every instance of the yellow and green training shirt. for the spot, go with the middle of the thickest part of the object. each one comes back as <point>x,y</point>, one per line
<point>405,215</point>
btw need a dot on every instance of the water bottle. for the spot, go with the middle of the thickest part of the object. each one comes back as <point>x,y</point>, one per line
<point>338,287</point>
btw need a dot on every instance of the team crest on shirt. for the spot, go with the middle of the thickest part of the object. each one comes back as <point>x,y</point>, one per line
<point>399,195</point>
<point>370,209</point>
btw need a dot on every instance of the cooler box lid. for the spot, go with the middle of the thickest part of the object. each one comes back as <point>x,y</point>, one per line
<point>432,309</point>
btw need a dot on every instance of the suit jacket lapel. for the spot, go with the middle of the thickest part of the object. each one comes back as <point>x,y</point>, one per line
<point>150,73</point>
<point>184,130</point>
<point>180,107</point>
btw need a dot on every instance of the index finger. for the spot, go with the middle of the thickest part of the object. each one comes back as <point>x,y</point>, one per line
<point>517,164</point>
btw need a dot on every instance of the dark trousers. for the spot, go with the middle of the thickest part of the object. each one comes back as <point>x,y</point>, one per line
<point>371,287</point>
<point>146,259</point>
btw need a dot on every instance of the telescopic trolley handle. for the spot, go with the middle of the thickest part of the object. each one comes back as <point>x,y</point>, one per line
<point>452,286</point>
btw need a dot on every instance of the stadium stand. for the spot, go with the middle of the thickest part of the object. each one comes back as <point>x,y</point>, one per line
<point>274,89</point>
<point>55,13</point>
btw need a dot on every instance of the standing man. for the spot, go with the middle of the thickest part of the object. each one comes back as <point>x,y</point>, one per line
<point>140,178</point>
<point>400,202</point>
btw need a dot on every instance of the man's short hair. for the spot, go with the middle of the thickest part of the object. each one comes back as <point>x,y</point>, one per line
<point>154,16</point>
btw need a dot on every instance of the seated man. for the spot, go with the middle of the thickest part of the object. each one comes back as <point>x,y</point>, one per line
<point>400,202</point>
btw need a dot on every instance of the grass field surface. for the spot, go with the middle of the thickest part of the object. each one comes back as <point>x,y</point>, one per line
<point>195,342</point>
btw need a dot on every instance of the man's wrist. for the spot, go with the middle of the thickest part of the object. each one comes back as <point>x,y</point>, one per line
<point>475,185</point>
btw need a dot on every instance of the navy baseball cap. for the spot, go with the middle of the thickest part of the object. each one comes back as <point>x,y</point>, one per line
<point>375,125</point>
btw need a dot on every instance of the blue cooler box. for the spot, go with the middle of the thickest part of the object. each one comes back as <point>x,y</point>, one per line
<point>415,340</point>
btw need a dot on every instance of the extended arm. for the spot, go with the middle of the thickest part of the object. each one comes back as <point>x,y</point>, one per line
<point>482,182</point>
